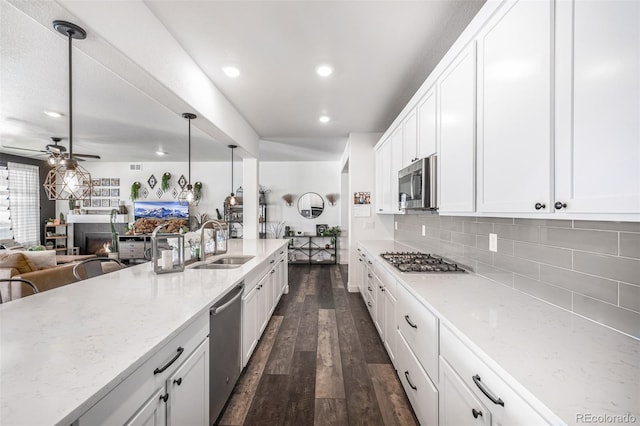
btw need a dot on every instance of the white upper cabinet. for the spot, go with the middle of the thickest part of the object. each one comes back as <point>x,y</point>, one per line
<point>396,164</point>
<point>597,166</point>
<point>409,138</point>
<point>427,125</point>
<point>383,178</point>
<point>515,109</point>
<point>457,134</point>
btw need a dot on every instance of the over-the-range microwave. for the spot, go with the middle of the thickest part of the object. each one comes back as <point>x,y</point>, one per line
<point>417,184</point>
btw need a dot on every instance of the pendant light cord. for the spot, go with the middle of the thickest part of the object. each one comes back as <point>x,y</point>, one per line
<point>69,36</point>
<point>189,151</point>
<point>231,171</point>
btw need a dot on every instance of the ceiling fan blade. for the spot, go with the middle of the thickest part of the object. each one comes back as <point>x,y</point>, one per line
<point>97,157</point>
<point>24,149</point>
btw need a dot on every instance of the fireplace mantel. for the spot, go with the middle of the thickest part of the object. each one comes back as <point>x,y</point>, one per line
<point>96,218</point>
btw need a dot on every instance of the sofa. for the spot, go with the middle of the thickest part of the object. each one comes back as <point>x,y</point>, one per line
<point>39,267</point>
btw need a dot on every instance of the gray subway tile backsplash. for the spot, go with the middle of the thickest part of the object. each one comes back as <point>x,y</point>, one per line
<point>579,239</point>
<point>589,267</point>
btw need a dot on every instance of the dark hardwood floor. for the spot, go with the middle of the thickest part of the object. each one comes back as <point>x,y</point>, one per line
<point>319,362</point>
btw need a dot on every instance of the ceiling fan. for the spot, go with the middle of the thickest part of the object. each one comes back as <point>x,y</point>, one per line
<point>56,150</point>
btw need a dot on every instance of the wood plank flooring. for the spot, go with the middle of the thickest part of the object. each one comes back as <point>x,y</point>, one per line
<point>319,362</point>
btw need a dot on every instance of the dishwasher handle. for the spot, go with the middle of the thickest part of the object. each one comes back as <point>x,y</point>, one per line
<point>219,309</point>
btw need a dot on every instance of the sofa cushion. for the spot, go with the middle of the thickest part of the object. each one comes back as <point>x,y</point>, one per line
<point>42,259</point>
<point>17,261</point>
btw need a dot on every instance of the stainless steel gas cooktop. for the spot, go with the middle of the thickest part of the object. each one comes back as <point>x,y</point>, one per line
<point>420,262</point>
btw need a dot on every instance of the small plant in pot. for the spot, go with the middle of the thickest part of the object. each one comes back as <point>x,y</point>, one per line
<point>332,232</point>
<point>166,177</point>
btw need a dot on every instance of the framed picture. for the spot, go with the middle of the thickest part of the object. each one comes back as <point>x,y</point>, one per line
<point>114,192</point>
<point>104,192</point>
<point>95,202</point>
<point>320,228</point>
<point>95,182</point>
<point>86,202</point>
<point>115,202</point>
<point>115,181</point>
<point>105,181</point>
<point>106,202</point>
<point>95,192</point>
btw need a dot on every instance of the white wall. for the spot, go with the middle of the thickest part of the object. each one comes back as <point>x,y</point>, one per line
<point>215,177</point>
<point>296,178</point>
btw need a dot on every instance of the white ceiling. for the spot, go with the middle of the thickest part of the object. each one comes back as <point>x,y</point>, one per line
<point>381,51</point>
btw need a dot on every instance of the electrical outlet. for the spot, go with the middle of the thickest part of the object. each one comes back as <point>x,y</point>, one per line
<point>424,230</point>
<point>493,242</point>
<point>395,225</point>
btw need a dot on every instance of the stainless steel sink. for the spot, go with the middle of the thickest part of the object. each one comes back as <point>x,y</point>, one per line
<point>225,262</point>
<point>231,260</point>
<point>215,266</point>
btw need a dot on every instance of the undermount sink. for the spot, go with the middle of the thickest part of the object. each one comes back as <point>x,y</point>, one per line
<point>225,262</point>
<point>231,260</point>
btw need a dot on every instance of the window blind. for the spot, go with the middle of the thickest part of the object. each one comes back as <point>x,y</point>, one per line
<point>24,203</point>
<point>5,214</point>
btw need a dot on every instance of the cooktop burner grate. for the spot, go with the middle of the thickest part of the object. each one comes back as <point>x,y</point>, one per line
<point>420,262</point>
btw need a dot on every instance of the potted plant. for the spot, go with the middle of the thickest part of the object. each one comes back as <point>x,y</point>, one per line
<point>332,232</point>
<point>197,192</point>
<point>135,190</point>
<point>166,177</point>
<point>114,235</point>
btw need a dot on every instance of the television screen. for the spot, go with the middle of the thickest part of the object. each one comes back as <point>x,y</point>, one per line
<point>160,210</point>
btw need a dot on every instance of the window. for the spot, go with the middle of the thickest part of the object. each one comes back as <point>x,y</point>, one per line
<point>24,203</point>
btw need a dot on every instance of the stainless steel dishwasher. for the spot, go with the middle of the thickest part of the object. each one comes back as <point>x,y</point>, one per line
<point>225,319</point>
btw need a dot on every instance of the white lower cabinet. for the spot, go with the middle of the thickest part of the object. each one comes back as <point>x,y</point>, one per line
<point>422,393</point>
<point>151,394</point>
<point>458,405</point>
<point>505,406</point>
<point>390,325</point>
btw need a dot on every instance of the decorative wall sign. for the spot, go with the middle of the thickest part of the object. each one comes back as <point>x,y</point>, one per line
<point>159,192</point>
<point>182,182</point>
<point>152,181</point>
<point>174,193</point>
<point>144,192</point>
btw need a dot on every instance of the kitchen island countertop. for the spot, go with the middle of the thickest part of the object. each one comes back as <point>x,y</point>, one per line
<point>563,364</point>
<point>64,349</point>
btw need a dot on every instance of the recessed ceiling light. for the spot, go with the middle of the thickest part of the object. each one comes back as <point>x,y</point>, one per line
<point>53,114</point>
<point>324,118</point>
<point>324,70</point>
<point>161,153</point>
<point>231,71</point>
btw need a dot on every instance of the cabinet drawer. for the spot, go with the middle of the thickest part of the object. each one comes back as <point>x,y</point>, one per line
<point>506,406</point>
<point>387,279</point>
<point>126,398</point>
<point>420,329</point>
<point>422,394</point>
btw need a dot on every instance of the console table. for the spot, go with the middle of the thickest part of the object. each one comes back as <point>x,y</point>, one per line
<point>311,249</point>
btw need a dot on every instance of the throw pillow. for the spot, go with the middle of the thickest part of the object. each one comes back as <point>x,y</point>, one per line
<point>17,261</point>
<point>42,259</point>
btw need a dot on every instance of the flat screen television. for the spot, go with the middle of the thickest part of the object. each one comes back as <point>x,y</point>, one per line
<point>160,210</point>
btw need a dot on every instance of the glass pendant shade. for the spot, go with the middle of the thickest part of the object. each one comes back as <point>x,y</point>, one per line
<point>231,199</point>
<point>187,195</point>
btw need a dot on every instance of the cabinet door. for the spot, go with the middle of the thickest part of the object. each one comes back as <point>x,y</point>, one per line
<point>380,307</point>
<point>188,390</point>
<point>152,413</point>
<point>390,325</point>
<point>597,166</point>
<point>427,125</point>
<point>264,296</point>
<point>515,109</point>
<point>249,324</point>
<point>396,165</point>
<point>457,134</point>
<point>383,178</point>
<point>458,405</point>
<point>409,139</point>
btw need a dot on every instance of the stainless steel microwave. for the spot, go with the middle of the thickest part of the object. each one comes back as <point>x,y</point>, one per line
<point>417,184</point>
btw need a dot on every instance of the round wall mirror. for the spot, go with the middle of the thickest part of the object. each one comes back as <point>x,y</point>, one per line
<point>310,205</point>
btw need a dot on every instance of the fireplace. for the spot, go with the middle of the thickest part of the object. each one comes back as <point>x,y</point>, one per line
<point>91,237</point>
<point>98,243</point>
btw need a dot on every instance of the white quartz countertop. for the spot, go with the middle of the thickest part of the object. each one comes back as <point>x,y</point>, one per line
<point>561,363</point>
<point>64,349</point>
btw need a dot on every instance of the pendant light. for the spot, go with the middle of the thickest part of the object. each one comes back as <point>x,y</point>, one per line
<point>187,195</point>
<point>232,200</point>
<point>67,180</point>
